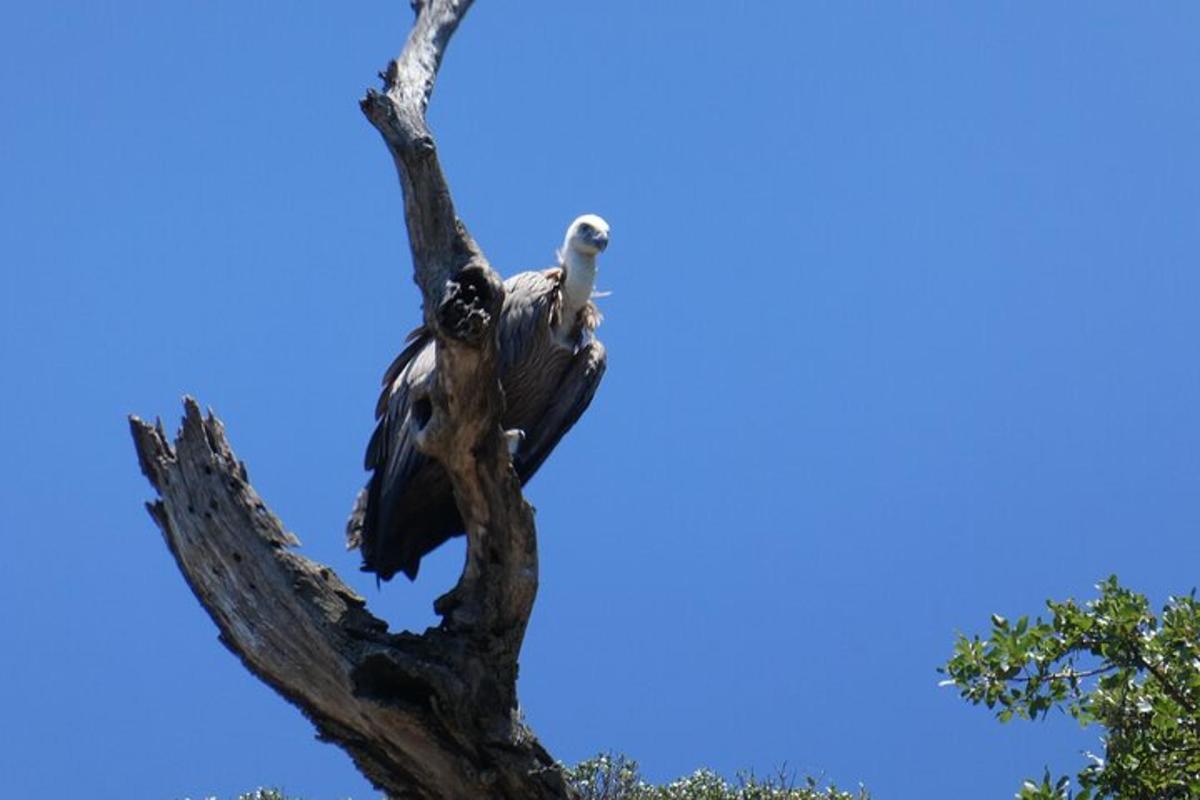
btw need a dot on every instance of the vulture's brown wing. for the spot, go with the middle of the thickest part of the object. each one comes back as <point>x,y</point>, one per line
<point>408,506</point>
<point>571,399</point>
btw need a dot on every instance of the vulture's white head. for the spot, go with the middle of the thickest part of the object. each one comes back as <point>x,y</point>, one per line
<point>587,236</point>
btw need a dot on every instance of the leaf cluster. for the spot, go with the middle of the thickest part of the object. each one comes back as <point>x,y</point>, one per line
<point>615,777</point>
<point>1112,663</point>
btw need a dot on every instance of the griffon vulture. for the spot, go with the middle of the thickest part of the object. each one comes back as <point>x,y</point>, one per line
<point>550,366</point>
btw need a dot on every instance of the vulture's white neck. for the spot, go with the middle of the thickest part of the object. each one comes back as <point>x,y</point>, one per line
<point>577,287</point>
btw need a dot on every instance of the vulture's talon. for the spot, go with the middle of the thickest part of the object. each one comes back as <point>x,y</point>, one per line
<point>514,438</point>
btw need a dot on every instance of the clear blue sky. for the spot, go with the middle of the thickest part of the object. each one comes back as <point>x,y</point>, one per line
<point>904,326</point>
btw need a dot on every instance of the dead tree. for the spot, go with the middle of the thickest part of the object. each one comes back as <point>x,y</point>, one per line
<point>423,716</point>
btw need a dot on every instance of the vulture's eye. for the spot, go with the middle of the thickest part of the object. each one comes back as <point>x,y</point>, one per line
<point>585,228</point>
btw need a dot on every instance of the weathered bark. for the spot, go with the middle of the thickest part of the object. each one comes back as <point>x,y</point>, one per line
<point>423,716</point>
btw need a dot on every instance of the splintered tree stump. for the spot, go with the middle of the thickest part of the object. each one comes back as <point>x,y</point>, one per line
<point>433,715</point>
<point>423,716</point>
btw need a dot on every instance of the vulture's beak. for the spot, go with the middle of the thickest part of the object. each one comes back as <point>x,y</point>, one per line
<point>600,239</point>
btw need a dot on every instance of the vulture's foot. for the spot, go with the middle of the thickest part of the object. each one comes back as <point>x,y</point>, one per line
<point>514,438</point>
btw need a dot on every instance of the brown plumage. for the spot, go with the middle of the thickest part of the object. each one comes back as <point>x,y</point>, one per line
<point>549,371</point>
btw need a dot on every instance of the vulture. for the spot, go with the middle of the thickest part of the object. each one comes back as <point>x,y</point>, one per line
<point>550,365</point>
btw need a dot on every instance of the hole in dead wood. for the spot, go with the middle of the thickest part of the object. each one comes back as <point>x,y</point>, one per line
<point>216,569</point>
<point>207,470</point>
<point>324,574</point>
<point>463,312</point>
<point>213,504</point>
<point>253,587</point>
<point>379,678</point>
<point>493,555</point>
<point>191,509</point>
<point>237,557</point>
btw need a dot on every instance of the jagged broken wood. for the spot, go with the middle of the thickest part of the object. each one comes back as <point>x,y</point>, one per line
<point>423,716</point>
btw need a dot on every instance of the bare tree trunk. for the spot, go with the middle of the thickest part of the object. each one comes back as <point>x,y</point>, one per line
<point>423,716</point>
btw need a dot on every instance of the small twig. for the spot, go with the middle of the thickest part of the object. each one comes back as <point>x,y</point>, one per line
<point>1067,675</point>
<point>1169,687</point>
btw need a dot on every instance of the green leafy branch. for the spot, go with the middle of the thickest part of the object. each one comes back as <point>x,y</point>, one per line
<point>1112,663</point>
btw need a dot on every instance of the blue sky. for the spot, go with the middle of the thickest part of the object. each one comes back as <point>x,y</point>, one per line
<point>903,332</point>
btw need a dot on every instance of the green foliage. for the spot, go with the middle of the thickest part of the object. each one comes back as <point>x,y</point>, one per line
<point>608,777</point>
<point>1110,663</point>
<point>260,794</point>
<point>1058,790</point>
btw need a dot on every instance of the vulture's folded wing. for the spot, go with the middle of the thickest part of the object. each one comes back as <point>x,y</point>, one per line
<point>571,399</point>
<point>401,476</point>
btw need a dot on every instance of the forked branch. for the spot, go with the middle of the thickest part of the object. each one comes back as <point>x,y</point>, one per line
<point>423,716</point>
